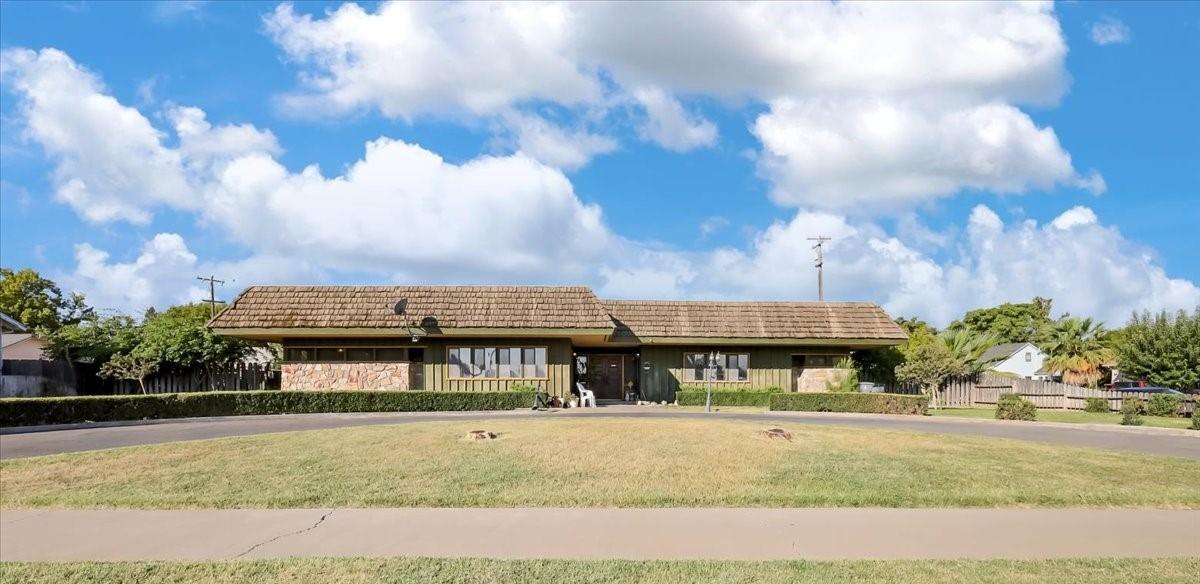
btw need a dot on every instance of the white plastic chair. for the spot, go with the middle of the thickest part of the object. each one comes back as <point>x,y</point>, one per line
<point>585,396</point>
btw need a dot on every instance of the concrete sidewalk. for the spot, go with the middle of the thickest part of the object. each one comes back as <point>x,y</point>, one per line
<point>639,534</point>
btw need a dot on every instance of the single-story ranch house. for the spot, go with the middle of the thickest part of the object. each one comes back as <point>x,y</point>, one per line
<point>481,338</point>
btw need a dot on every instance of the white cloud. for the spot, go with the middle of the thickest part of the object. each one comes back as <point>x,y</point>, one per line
<point>405,210</point>
<point>1073,217</point>
<point>1086,267</point>
<point>669,125</point>
<point>844,154</point>
<point>164,273</point>
<point>917,100</point>
<point>554,145</point>
<point>111,162</point>
<point>712,225</point>
<point>411,58</point>
<point>1110,31</point>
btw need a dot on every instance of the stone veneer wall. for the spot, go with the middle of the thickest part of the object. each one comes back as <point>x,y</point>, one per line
<point>317,376</point>
<point>813,379</point>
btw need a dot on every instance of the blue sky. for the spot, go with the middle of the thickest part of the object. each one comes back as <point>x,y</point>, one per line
<point>961,156</point>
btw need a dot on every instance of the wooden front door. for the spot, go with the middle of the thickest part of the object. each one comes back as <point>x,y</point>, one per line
<point>606,376</point>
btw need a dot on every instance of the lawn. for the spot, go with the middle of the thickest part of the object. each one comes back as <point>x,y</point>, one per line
<point>1068,416</point>
<point>575,462</point>
<point>607,571</point>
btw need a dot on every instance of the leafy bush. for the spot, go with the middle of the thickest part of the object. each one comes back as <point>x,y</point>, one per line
<point>1011,406</point>
<point>1195,421</point>
<point>66,410</point>
<point>1131,412</point>
<point>691,396</point>
<point>848,378</point>
<point>1097,405</point>
<point>868,403</point>
<point>1163,405</point>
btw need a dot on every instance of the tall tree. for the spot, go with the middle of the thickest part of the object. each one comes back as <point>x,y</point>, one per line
<point>38,302</point>
<point>1163,349</point>
<point>96,339</point>
<point>967,349</point>
<point>179,336</point>
<point>1023,322</point>
<point>1077,348</point>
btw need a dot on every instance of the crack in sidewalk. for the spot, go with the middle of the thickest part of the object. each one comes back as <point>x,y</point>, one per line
<point>289,534</point>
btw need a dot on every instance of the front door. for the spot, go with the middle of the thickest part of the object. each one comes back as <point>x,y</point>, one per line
<point>606,376</point>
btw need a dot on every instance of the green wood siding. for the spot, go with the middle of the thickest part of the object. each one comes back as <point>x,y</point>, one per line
<point>437,370</point>
<point>770,366</point>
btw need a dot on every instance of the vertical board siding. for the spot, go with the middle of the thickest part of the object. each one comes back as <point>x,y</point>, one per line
<point>769,367</point>
<point>558,366</point>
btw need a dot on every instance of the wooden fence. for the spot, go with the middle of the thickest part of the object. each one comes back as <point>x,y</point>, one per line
<point>241,377</point>
<point>985,390</point>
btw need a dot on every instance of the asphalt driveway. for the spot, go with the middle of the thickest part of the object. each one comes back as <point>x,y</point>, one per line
<point>26,442</point>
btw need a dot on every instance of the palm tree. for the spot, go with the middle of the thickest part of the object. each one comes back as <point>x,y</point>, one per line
<point>1077,348</point>
<point>967,349</point>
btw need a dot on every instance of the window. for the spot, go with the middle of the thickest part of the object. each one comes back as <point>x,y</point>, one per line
<point>352,354</point>
<point>1028,356</point>
<point>360,354</point>
<point>389,354</point>
<point>727,367</point>
<point>493,362</point>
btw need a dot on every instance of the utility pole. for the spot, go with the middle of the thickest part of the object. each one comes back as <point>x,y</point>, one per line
<point>820,263</point>
<point>212,293</point>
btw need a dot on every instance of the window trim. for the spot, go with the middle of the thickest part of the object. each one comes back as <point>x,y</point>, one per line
<point>451,372</point>
<point>684,367</point>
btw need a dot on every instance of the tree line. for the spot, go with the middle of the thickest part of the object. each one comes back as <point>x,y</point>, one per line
<point>123,347</point>
<point>1161,349</point>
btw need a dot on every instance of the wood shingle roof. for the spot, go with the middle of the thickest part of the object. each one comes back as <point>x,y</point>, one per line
<point>762,320</point>
<point>549,307</point>
<point>574,307</point>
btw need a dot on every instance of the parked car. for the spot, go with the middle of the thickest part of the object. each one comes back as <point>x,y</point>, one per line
<point>1119,385</point>
<point>1150,390</point>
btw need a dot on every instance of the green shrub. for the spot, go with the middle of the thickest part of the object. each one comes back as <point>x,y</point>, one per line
<point>868,403</point>
<point>1195,421</point>
<point>848,380</point>
<point>1163,405</point>
<point>1131,412</point>
<point>1011,406</point>
<point>1097,405</point>
<point>695,397</point>
<point>67,410</point>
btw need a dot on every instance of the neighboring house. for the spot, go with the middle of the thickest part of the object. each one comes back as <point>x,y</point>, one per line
<point>480,338</point>
<point>24,369</point>
<point>1021,359</point>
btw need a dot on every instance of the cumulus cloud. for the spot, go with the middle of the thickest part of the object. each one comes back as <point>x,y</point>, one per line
<point>111,163</point>
<point>671,126</point>
<point>563,148</point>
<point>406,58</point>
<point>918,101</point>
<point>844,153</point>
<point>164,273</point>
<point>1086,267</point>
<point>1110,31</point>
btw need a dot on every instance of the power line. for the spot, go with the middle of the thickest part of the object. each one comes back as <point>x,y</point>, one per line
<point>820,263</point>
<point>212,293</point>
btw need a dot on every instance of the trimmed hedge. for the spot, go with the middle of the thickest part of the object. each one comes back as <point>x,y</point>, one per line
<point>68,410</point>
<point>867,403</point>
<point>693,397</point>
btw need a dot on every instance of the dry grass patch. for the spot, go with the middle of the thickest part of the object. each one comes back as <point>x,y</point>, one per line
<point>1160,571</point>
<point>599,463</point>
